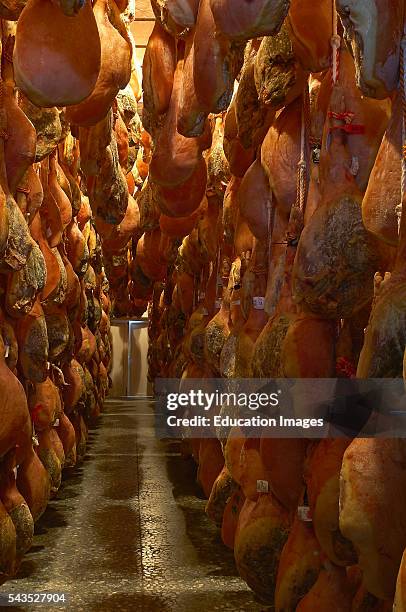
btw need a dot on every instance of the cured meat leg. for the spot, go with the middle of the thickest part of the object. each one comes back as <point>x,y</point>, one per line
<point>48,38</point>
<point>158,70</point>
<point>20,143</point>
<point>212,63</point>
<point>254,198</point>
<point>114,74</point>
<point>374,32</point>
<point>310,26</point>
<point>262,531</point>
<point>238,157</point>
<point>175,157</point>
<point>299,566</point>
<point>371,509</point>
<point>16,507</point>
<point>32,335</point>
<point>336,260</point>
<point>383,192</point>
<point>15,424</point>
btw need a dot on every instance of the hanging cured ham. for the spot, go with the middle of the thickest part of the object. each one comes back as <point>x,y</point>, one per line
<point>217,330</point>
<point>15,423</point>
<point>184,199</point>
<point>383,193</point>
<point>254,198</point>
<point>158,71</point>
<point>299,566</point>
<point>332,590</point>
<point>211,64</point>
<point>348,248</point>
<point>376,55</point>
<point>17,509</point>
<point>279,79</point>
<point>323,486</point>
<point>261,533</point>
<point>24,285</point>
<point>175,157</point>
<point>253,118</point>
<point>385,336</point>
<point>238,157</point>
<point>311,45</point>
<point>371,493</point>
<point>114,73</point>
<point>48,38</point>
<point>47,123</point>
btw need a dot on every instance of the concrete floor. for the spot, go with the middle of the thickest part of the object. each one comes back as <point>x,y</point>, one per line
<point>128,530</point>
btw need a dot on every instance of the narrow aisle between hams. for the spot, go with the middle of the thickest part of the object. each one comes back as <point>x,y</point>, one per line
<point>203,194</point>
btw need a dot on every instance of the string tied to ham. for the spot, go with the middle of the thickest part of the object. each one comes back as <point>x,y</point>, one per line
<point>403,92</point>
<point>303,164</point>
<point>3,118</point>
<point>269,211</point>
<point>345,368</point>
<point>335,46</point>
<point>348,127</point>
<point>23,189</point>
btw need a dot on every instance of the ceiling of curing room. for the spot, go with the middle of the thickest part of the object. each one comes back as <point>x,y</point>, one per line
<point>142,29</point>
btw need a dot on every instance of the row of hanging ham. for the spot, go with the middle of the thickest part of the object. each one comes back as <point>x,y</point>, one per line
<point>275,200</point>
<point>70,136</point>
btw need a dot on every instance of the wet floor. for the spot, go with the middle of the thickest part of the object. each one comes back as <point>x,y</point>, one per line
<point>127,530</point>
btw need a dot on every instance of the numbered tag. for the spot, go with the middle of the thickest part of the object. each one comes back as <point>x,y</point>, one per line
<point>303,513</point>
<point>262,486</point>
<point>316,154</point>
<point>258,303</point>
<point>354,169</point>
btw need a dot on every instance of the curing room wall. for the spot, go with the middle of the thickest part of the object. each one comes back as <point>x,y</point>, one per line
<point>133,381</point>
<point>119,372</point>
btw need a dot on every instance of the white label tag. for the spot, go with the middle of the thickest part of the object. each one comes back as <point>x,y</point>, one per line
<point>303,513</point>
<point>258,303</point>
<point>262,486</point>
<point>236,303</point>
<point>217,304</point>
<point>56,423</point>
<point>6,350</point>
